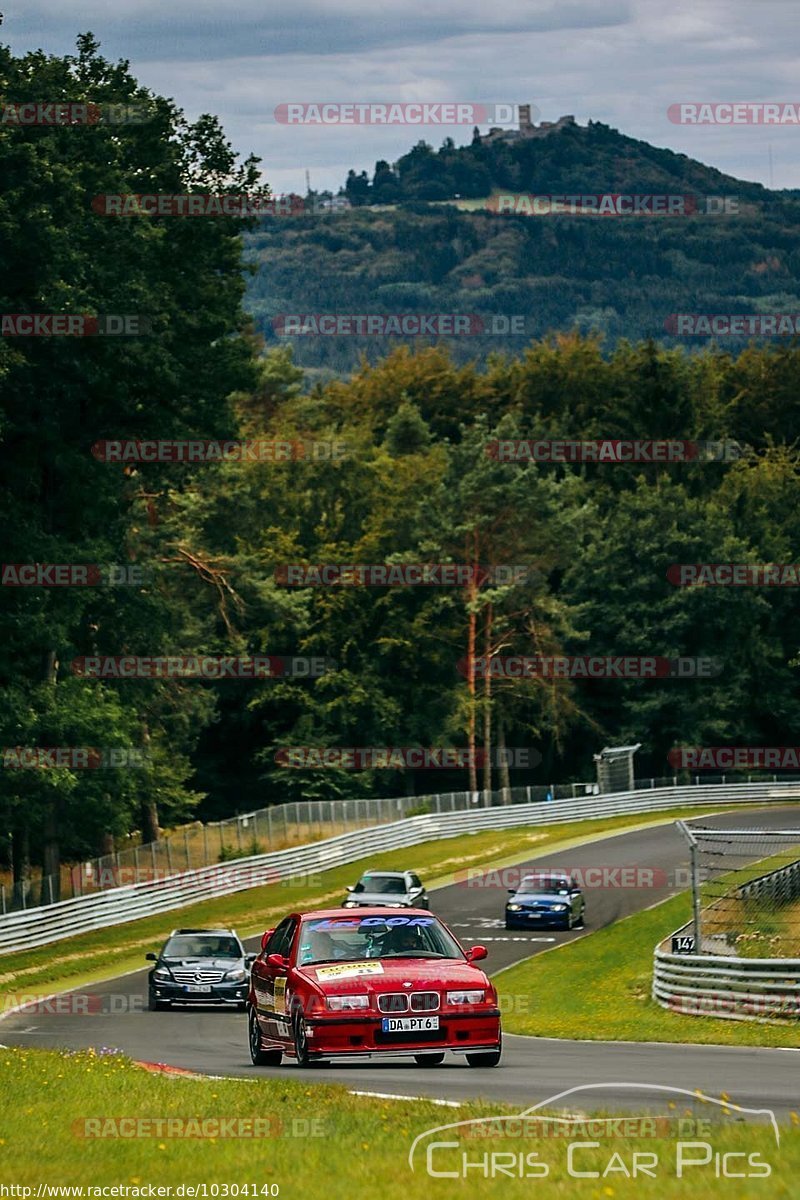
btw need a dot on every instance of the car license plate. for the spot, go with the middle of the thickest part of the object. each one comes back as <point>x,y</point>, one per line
<point>408,1024</point>
<point>197,987</point>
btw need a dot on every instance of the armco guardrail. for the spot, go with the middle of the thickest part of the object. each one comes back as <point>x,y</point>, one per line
<point>739,989</point>
<point>781,886</point>
<point>41,926</point>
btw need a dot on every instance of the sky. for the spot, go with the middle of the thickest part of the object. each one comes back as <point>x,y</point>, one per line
<point>623,62</point>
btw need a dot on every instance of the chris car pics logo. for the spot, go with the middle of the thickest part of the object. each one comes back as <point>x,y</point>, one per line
<point>680,1147</point>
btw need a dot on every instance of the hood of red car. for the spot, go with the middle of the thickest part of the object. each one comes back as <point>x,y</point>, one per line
<point>390,974</point>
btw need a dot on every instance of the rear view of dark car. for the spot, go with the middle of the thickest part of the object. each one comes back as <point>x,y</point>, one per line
<point>205,966</point>
<point>545,899</point>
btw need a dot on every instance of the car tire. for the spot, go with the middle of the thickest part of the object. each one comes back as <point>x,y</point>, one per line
<point>580,922</point>
<point>428,1060</point>
<point>242,1007</point>
<point>155,1005</point>
<point>485,1058</point>
<point>258,1055</point>
<point>300,1040</point>
<point>510,926</point>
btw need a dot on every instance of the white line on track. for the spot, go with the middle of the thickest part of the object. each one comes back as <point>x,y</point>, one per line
<point>392,1096</point>
<point>511,939</point>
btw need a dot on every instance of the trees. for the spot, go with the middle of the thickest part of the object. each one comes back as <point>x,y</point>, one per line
<point>60,395</point>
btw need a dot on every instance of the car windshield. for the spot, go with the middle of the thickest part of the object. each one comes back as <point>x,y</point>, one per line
<point>354,939</point>
<point>389,884</point>
<point>544,886</point>
<point>198,945</point>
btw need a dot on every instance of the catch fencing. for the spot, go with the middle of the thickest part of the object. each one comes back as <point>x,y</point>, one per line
<point>52,923</point>
<point>745,931</point>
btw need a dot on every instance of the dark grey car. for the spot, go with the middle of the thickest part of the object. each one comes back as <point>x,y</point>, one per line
<point>201,966</point>
<point>388,889</point>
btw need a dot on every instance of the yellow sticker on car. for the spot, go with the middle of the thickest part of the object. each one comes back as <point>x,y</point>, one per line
<point>350,970</point>
<point>280,995</point>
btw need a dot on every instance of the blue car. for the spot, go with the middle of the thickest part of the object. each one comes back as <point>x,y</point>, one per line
<point>545,898</point>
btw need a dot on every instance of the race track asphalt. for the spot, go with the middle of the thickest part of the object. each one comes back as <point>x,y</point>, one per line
<point>214,1042</point>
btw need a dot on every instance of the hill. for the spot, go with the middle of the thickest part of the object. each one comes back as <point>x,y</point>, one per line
<point>624,276</point>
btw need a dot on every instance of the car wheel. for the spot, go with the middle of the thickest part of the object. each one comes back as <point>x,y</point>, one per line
<point>258,1055</point>
<point>428,1060</point>
<point>242,1007</point>
<point>581,915</point>
<point>157,1005</point>
<point>300,1039</point>
<point>510,926</point>
<point>485,1058</point>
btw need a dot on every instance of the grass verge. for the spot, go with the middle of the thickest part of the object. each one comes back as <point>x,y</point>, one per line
<point>91,957</point>
<point>323,1141</point>
<point>598,988</point>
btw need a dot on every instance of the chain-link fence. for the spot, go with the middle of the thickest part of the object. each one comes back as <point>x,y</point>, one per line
<point>275,828</point>
<point>745,891</point>
<point>284,825</point>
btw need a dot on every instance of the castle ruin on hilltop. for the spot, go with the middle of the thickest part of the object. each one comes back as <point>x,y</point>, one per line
<point>527,129</point>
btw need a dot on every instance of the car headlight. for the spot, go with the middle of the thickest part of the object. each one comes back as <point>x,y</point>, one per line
<point>341,1003</point>
<point>514,907</point>
<point>237,976</point>
<point>161,973</point>
<point>350,904</point>
<point>559,907</point>
<point>476,996</point>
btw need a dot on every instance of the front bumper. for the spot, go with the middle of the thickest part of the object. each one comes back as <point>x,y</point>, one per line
<point>219,993</point>
<point>354,1035</point>
<point>527,920</point>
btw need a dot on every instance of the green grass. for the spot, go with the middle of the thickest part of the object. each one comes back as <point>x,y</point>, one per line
<point>598,988</point>
<point>360,1146</point>
<point>91,957</point>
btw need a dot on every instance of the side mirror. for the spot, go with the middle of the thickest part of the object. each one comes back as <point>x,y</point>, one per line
<point>277,962</point>
<point>350,888</point>
<point>511,891</point>
<point>267,934</point>
<point>151,957</point>
<point>415,891</point>
<point>249,959</point>
<point>476,953</point>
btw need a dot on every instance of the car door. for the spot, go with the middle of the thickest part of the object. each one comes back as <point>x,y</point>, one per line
<point>270,982</point>
<point>576,899</point>
<point>414,881</point>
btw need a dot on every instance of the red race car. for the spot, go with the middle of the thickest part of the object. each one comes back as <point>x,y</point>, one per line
<point>337,983</point>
